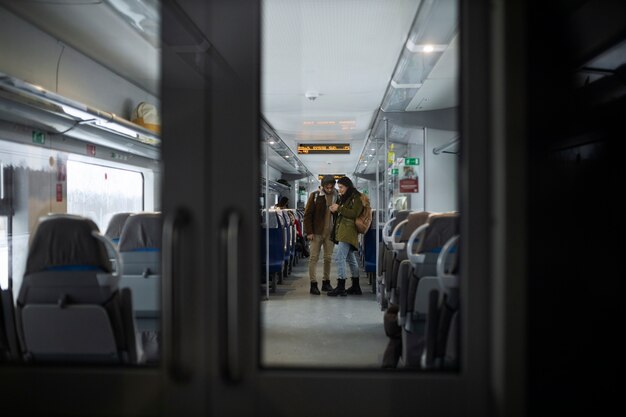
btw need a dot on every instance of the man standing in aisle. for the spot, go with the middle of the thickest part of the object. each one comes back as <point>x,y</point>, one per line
<point>318,225</point>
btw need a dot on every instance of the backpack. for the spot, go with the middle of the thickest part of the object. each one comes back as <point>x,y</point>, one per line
<point>364,220</point>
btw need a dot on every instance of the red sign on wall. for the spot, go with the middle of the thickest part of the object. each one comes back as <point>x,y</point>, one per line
<point>59,193</point>
<point>409,185</point>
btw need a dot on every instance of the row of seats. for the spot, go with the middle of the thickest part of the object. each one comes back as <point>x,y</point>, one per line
<point>82,298</point>
<point>367,248</point>
<point>418,288</point>
<point>286,243</point>
<point>139,245</point>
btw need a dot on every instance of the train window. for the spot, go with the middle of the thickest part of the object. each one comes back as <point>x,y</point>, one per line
<point>98,192</point>
<point>386,84</point>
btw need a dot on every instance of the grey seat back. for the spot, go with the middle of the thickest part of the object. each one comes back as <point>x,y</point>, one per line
<point>115,226</point>
<point>113,232</point>
<point>399,217</point>
<point>441,227</point>
<point>140,250</point>
<point>390,256</point>
<point>271,221</point>
<point>69,307</point>
<point>414,220</point>
<point>432,299</point>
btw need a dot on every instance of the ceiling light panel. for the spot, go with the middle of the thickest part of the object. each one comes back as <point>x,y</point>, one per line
<point>433,31</point>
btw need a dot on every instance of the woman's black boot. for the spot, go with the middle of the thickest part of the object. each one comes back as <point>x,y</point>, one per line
<point>355,289</point>
<point>339,290</point>
<point>326,285</point>
<point>314,290</point>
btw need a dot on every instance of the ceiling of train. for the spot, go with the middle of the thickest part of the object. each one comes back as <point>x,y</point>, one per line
<point>122,35</point>
<point>326,67</point>
<point>340,54</point>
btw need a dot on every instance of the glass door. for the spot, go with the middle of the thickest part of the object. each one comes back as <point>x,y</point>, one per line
<point>88,98</point>
<point>209,168</point>
<point>247,379</point>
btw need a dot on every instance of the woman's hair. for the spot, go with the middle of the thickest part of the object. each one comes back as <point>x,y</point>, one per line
<point>347,182</point>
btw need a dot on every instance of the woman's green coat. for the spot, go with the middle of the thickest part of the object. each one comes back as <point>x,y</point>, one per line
<point>345,229</point>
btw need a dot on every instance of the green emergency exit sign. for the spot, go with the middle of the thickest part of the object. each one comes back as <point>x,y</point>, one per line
<point>394,171</point>
<point>39,138</point>
<point>411,161</point>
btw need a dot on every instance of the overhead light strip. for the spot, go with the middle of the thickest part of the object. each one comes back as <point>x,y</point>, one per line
<point>36,97</point>
<point>424,48</point>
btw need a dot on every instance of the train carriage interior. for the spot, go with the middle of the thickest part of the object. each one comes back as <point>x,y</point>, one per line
<point>93,152</point>
<point>364,89</point>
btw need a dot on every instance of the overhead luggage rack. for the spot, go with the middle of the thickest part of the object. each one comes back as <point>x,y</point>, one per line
<point>275,186</point>
<point>31,105</point>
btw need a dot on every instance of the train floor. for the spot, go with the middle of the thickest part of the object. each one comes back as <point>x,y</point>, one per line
<point>304,330</point>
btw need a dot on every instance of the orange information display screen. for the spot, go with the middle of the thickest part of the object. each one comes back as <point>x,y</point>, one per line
<point>335,176</point>
<point>318,148</point>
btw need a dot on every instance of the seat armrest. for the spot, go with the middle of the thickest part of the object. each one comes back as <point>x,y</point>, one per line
<point>415,236</point>
<point>387,238</point>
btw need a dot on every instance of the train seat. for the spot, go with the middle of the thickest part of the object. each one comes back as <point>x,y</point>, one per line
<point>402,233</point>
<point>69,307</point>
<point>389,255</point>
<point>413,314</point>
<point>369,250</point>
<point>276,248</point>
<point>140,250</point>
<point>288,233</point>
<point>113,232</point>
<point>294,235</point>
<point>115,226</point>
<point>440,334</point>
<point>441,227</point>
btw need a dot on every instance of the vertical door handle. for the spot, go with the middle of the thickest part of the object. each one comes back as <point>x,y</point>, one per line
<point>230,235</point>
<point>171,297</point>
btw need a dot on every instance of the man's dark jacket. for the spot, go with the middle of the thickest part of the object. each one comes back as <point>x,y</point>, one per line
<point>315,212</point>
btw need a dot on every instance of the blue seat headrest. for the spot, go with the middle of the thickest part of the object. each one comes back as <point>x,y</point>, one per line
<point>74,268</point>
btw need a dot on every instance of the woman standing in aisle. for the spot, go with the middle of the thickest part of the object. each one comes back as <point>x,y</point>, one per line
<point>345,236</point>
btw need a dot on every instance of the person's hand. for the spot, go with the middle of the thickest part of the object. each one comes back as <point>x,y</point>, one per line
<point>334,207</point>
<point>310,237</point>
